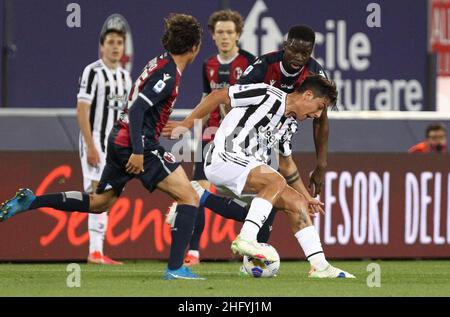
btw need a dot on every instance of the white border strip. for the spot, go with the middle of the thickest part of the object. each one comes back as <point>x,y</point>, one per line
<point>182,113</point>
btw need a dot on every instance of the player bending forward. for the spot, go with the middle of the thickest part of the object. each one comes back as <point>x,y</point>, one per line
<point>260,118</point>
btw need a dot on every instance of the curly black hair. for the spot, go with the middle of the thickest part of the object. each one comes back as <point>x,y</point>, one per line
<point>302,32</point>
<point>182,32</point>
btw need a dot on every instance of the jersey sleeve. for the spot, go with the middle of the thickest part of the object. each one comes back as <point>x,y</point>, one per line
<point>156,88</point>
<point>206,85</point>
<point>318,69</point>
<point>247,95</point>
<point>285,143</point>
<point>254,73</point>
<point>88,85</point>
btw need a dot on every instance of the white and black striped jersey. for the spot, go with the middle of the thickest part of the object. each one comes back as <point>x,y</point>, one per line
<point>107,92</point>
<point>257,123</point>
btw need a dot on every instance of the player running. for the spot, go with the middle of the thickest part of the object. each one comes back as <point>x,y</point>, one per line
<point>133,147</point>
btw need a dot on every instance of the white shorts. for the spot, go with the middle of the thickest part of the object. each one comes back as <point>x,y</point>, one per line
<point>91,173</point>
<point>230,170</point>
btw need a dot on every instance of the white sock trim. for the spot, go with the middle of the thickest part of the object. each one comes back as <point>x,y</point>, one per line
<point>258,213</point>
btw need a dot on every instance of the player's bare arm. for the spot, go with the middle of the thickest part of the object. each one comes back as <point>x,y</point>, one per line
<point>321,130</point>
<point>290,172</point>
<point>174,129</point>
<point>83,109</point>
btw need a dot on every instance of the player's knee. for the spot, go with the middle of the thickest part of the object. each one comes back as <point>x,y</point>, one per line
<point>188,196</point>
<point>278,182</point>
<point>98,204</point>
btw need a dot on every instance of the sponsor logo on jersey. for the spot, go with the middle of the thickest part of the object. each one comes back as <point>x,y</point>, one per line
<point>159,86</point>
<point>221,85</point>
<point>284,86</point>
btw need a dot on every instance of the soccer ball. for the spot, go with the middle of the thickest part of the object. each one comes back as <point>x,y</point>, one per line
<point>257,268</point>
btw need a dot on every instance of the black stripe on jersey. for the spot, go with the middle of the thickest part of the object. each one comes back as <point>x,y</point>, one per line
<point>280,124</point>
<point>241,123</point>
<point>276,92</point>
<point>226,159</point>
<point>262,123</point>
<point>105,112</point>
<point>231,160</point>
<point>244,161</point>
<point>265,121</point>
<point>116,102</point>
<point>90,80</point>
<point>250,93</point>
<point>92,112</point>
<point>250,111</point>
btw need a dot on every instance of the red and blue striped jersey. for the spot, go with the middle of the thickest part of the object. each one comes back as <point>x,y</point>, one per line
<point>155,91</point>
<point>219,74</point>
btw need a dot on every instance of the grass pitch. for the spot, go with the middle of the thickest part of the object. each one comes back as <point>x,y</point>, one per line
<point>143,278</point>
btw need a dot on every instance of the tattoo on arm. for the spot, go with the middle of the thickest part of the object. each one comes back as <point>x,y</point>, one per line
<point>292,178</point>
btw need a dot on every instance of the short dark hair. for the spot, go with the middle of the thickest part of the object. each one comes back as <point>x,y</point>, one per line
<point>321,87</point>
<point>182,32</point>
<point>302,32</point>
<point>121,33</point>
<point>226,15</point>
<point>435,127</point>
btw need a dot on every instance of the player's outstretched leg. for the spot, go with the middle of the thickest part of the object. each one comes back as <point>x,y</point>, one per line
<point>25,200</point>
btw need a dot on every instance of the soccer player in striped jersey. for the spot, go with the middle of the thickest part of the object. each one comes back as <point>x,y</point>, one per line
<point>134,150</point>
<point>103,94</point>
<point>260,121</point>
<point>285,69</point>
<point>219,71</point>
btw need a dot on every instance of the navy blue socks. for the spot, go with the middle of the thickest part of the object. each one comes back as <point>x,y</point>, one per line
<point>67,201</point>
<point>181,234</point>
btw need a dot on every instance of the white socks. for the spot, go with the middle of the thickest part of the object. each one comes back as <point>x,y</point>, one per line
<point>195,253</point>
<point>257,215</point>
<point>310,242</point>
<point>97,228</point>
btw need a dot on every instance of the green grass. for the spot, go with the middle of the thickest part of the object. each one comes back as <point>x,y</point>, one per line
<point>398,278</point>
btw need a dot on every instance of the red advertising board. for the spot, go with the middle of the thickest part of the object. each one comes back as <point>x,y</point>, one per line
<point>377,206</point>
<point>440,34</point>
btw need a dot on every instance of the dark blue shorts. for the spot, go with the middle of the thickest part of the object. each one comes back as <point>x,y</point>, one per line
<point>158,164</point>
<point>199,170</point>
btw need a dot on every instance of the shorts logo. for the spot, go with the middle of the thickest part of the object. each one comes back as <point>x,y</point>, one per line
<point>169,157</point>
